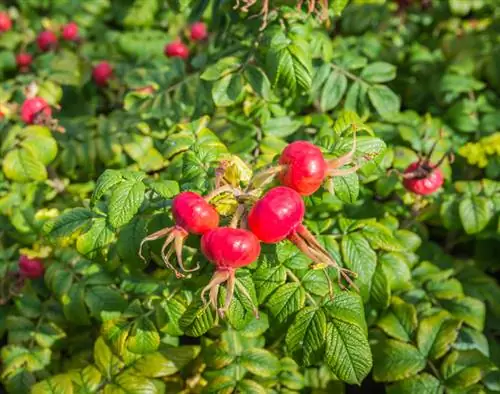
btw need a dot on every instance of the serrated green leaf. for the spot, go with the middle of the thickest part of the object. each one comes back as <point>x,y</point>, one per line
<point>258,81</point>
<point>286,301</point>
<point>105,182</point>
<point>143,337</point>
<point>22,165</point>
<point>95,241</point>
<point>260,362</point>
<point>399,321</point>
<point>422,383</point>
<point>436,334</point>
<point>58,384</point>
<point>333,91</point>
<point>385,101</point>
<point>470,310</point>
<point>346,188</point>
<point>394,360</point>
<point>70,221</point>
<point>306,336</point>
<point>475,213</point>
<point>379,72</point>
<point>125,201</point>
<point>197,319</point>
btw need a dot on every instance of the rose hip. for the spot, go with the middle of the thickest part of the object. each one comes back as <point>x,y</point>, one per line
<point>192,215</point>
<point>30,268</point>
<point>177,49</point>
<point>5,22</point>
<point>23,61</point>
<point>198,31</point>
<point>46,40</point>
<point>35,110</point>
<point>278,215</point>
<point>70,31</point>
<point>228,248</point>
<point>101,73</point>
<point>423,178</point>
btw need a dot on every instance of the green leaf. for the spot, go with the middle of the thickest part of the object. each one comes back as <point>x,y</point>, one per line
<point>70,221</point>
<point>102,298</point>
<point>385,101</point>
<point>258,81</point>
<point>475,213</point>
<point>58,384</point>
<point>86,379</point>
<point>380,237</point>
<point>105,182</point>
<point>197,319</point>
<point>436,334</point>
<point>125,201</point>
<point>155,365</point>
<point>250,387</point>
<point>165,188</point>
<point>360,258</point>
<point>470,310</point>
<point>21,165</point>
<point>394,360</point>
<point>379,72</point>
<point>228,90</point>
<point>464,369</point>
<point>399,321</point>
<point>419,384</point>
<point>107,363</point>
<point>289,63</point>
<point>143,337</point>
<point>260,362</point>
<point>380,293</point>
<point>281,127</point>
<point>286,301</point>
<point>333,91</point>
<point>347,351</point>
<point>346,188</point>
<point>445,289</point>
<point>305,338</point>
<point>396,267</point>
<point>95,241</point>
<point>223,67</point>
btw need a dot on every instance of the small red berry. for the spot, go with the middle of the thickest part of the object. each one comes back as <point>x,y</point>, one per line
<point>70,31</point>
<point>46,40</point>
<point>24,60</point>
<point>30,268</point>
<point>198,31</point>
<point>193,213</point>
<point>426,180</point>
<point>305,168</point>
<point>102,73</point>
<point>177,49</point>
<point>276,215</point>
<point>5,22</point>
<point>230,248</point>
<point>34,107</point>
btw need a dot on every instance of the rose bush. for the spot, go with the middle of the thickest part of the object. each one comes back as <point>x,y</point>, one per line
<point>335,166</point>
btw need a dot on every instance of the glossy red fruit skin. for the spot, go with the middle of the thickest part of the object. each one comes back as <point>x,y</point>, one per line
<point>176,49</point>
<point>30,268</point>
<point>24,60</point>
<point>193,213</point>
<point>70,31</point>
<point>101,73</point>
<point>306,168</point>
<point>33,107</point>
<point>423,186</point>
<point>5,22</point>
<point>230,248</point>
<point>46,40</point>
<point>276,215</point>
<point>198,31</point>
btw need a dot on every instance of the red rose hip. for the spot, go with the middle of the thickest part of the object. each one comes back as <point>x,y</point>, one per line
<point>101,73</point>
<point>23,61</point>
<point>5,22</point>
<point>192,215</point>
<point>228,249</point>
<point>46,40</point>
<point>30,268</point>
<point>70,31</point>
<point>177,49</point>
<point>198,31</point>
<point>34,108</point>
<point>423,178</point>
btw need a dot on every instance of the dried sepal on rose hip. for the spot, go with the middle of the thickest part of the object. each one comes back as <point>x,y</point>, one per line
<point>228,249</point>
<point>192,215</point>
<point>302,167</point>
<point>278,215</point>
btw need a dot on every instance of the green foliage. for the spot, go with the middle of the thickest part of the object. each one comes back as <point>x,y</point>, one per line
<point>81,191</point>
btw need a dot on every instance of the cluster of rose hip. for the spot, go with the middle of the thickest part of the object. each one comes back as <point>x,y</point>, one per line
<point>278,215</point>
<point>275,217</point>
<point>35,110</point>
